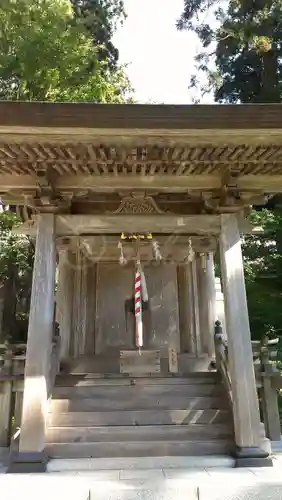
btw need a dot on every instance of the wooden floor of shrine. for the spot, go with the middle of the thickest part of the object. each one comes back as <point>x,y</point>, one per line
<point>109,363</point>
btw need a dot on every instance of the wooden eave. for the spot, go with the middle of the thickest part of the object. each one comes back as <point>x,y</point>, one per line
<point>37,115</point>
<point>225,155</point>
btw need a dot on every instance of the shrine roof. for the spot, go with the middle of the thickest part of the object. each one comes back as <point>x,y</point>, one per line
<point>231,150</point>
<point>29,115</point>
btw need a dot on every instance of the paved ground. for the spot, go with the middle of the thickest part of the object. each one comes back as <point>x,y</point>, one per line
<point>148,484</point>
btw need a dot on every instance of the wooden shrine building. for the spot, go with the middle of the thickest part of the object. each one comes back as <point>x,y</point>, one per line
<point>88,176</point>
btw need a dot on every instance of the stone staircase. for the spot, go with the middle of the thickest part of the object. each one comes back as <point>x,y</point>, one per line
<point>157,416</point>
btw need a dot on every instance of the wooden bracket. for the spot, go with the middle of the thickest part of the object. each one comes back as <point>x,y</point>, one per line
<point>47,200</point>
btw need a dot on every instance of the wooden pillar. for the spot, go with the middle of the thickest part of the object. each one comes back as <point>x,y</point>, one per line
<point>82,274</point>
<point>85,265</point>
<point>202,301</point>
<point>196,311</point>
<point>195,340</point>
<point>76,316</point>
<point>91,309</point>
<point>187,314</point>
<point>31,456</point>
<point>244,393</point>
<point>206,281</point>
<point>64,299</point>
<point>183,307</point>
<point>211,302</point>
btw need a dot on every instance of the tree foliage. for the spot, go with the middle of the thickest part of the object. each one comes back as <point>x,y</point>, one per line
<point>263,272</point>
<point>51,50</point>
<point>241,63</point>
<point>100,18</point>
<point>46,55</point>
<point>13,248</point>
<point>242,44</point>
<point>16,261</point>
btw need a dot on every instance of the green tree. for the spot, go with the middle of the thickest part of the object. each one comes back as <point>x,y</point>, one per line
<point>45,55</point>
<point>16,261</point>
<point>263,272</point>
<point>242,44</point>
<point>241,63</point>
<point>100,18</point>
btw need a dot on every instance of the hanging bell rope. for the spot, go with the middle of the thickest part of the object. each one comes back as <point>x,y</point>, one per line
<point>138,306</point>
<point>140,285</point>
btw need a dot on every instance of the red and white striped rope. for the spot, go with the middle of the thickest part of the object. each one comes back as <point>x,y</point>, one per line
<point>138,309</point>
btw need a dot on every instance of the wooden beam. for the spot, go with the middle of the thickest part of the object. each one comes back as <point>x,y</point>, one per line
<point>169,183</point>
<point>71,225</point>
<point>17,182</point>
<point>104,247</point>
<point>201,243</point>
<point>261,183</point>
<point>142,137</point>
<point>120,182</point>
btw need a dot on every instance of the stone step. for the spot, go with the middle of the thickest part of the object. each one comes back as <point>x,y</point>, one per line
<point>174,463</point>
<point>139,449</point>
<point>170,401</point>
<point>197,432</point>
<point>136,393</point>
<point>104,380</point>
<point>141,417</point>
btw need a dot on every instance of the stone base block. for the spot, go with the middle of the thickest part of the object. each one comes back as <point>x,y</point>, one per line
<point>253,462</point>
<point>27,462</point>
<point>252,457</point>
<point>4,453</point>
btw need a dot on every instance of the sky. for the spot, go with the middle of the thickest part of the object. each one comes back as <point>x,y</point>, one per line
<point>159,57</point>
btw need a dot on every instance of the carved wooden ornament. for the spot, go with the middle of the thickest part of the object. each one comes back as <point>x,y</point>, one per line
<point>138,203</point>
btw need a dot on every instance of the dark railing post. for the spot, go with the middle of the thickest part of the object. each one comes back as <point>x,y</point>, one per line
<point>217,338</point>
<point>269,393</point>
<point>218,328</point>
<point>6,399</point>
